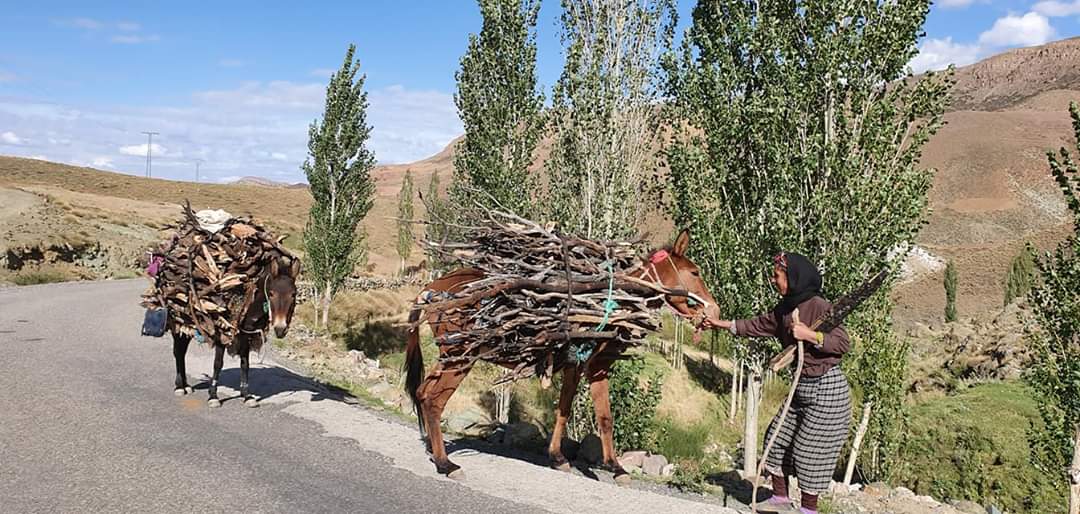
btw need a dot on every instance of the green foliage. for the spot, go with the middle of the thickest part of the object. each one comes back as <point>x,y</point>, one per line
<point>950,292</point>
<point>689,477</point>
<point>29,278</point>
<point>973,446</point>
<point>405,236</point>
<point>338,170</point>
<point>878,374</point>
<point>635,394</point>
<point>500,107</point>
<point>1055,305</point>
<point>437,215</point>
<point>794,134</point>
<point>1020,277</point>
<point>604,116</point>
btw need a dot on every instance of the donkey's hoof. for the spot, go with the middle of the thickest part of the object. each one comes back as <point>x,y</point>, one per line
<point>180,391</point>
<point>214,403</point>
<point>564,466</point>
<point>457,474</point>
<point>251,401</point>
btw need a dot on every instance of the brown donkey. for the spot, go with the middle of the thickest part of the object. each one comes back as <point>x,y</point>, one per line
<point>668,267</point>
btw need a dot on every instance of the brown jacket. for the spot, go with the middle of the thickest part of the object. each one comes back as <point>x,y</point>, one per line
<point>818,360</point>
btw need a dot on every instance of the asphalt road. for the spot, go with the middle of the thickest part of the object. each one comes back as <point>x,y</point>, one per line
<point>89,423</point>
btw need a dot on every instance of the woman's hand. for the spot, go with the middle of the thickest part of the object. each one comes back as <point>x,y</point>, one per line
<point>716,323</point>
<point>803,333</point>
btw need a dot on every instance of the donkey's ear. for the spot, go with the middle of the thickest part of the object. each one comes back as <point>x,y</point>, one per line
<point>274,267</point>
<point>682,243</point>
<point>294,268</point>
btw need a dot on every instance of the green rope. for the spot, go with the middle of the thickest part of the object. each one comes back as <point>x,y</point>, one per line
<point>583,351</point>
<point>609,304</point>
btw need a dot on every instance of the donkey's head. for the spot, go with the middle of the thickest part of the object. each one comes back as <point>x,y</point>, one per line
<point>281,294</point>
<point>674,270</point>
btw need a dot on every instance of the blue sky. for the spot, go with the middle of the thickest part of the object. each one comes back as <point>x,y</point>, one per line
<point>235,84</point>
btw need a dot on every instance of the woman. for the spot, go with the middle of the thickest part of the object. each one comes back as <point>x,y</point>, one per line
<point>816,427</point>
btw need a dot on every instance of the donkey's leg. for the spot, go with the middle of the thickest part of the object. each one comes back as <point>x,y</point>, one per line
<point>244,349</point>
<point>566,402</point>
<point>179,349</point>
<point>598,389</point>
<point>219,357</point>
<point>436,390</point>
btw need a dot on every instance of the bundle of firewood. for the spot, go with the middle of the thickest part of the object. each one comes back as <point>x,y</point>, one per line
<point>546,298</point>
<point>208,279</point>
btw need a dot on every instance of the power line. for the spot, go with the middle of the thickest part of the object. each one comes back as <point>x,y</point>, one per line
<point>149,145</point>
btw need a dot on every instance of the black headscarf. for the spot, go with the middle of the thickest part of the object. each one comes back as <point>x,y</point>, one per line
<point>804,281</point>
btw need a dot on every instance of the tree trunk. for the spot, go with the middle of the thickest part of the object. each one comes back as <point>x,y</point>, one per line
<point>733,407</point>
<point>857,443</point>
<point>750,441</point>
<point>502,404</point>
<point>326,306</point>
<point>1074,475</point>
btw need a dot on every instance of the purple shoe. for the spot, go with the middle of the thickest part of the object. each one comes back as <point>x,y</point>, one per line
<point>777,504</point>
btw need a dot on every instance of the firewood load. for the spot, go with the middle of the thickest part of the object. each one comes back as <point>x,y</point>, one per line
<point>208,279</point>
<point>546,299</point>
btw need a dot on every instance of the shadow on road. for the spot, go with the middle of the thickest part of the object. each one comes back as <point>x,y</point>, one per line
<point>268,382</point>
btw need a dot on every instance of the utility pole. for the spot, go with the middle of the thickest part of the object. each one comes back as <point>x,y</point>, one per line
<point>197,163</point>
<point>149,144</point>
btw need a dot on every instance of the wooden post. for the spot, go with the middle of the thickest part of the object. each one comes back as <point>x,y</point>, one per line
<point>1074,475</point>
<point>750,441</point>
<point>857,443</point>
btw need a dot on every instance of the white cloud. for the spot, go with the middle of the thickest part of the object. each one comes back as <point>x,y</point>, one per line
<point>10,138</point>
<point>134,39</point>
<point>1053,8</point>
<point>323,73</point>
<point>232,63</point>
<point>229,179</point>
<point>102,162</point>
<point>937,54</point>
<point>1028,30</point>
<point>256,128</point>
<point>140,150</point>
<point>128,26</point>
<point>85,23</point>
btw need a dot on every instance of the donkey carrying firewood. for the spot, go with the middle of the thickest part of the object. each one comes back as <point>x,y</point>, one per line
<point>665,269</point>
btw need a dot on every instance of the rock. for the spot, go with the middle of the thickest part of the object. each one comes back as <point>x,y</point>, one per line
<point>468,422</point>
<point>635,458</point>
<point>902,492</point>
<point>654,465</point>
<point>590,450</point>
<point>668,470</point>
<point>961,331</point>
<point>522,434</point>
<point>993,509</point>
<point>967,507</point>
<point>876,489</point>
<point>927,500</point>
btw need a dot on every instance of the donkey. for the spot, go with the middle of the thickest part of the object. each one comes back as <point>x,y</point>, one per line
<point>667,266</point>
<point>273,307</point>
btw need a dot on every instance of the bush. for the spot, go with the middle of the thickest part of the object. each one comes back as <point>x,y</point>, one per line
<point>1020,277</point>
<point>635,394</point>
<point>30,278</point>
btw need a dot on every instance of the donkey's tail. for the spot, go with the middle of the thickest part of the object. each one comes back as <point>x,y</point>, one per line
<point>414,364</point>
